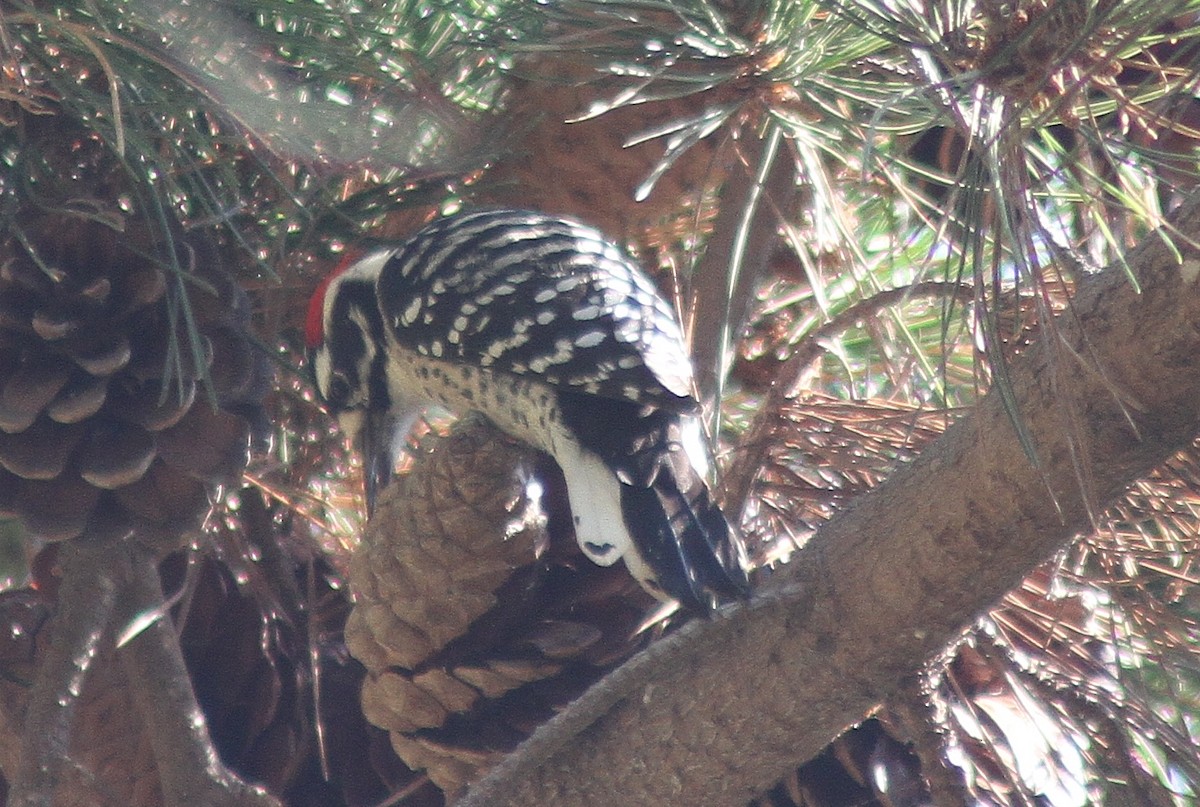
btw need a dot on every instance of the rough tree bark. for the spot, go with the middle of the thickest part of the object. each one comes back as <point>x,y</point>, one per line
<point>719,711</point>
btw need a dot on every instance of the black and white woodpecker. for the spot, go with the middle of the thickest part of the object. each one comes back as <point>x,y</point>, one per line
<point>555,335</point>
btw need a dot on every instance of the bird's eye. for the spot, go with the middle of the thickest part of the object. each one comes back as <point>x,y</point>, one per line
<point>339,389</point>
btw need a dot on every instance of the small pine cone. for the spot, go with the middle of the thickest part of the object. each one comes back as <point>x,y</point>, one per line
<point>473,624</point>
<point>596,173</point>
<point>104,428</point>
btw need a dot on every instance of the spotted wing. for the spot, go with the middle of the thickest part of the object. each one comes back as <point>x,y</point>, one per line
<point>530,294</point>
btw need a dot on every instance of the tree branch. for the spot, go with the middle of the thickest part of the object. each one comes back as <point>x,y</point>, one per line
<point>86,599</point>
<point>717,310</point>
<point>191,773</point>
<point>719,711</point>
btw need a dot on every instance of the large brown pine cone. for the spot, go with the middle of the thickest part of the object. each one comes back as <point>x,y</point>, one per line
<point>105,423</point>
<point>473,634</point>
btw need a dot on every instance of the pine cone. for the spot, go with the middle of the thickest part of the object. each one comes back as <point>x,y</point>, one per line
<point>473,635</point>
<point>103,428</point>
<point>600,186</point>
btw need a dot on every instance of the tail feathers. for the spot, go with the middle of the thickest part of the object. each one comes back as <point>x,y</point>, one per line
<point>676,527</point>
<point>682,535</point>
<point>677,541</point>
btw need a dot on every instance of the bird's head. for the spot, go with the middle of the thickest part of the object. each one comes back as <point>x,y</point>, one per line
<point>344,339</point>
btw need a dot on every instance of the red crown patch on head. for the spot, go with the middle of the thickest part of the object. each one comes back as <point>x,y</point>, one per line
<point>314,322</point>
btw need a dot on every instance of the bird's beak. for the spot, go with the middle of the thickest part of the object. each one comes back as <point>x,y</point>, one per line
<point>377,438</point>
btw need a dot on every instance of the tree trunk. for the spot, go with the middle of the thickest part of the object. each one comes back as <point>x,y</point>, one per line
<point>719,711</point>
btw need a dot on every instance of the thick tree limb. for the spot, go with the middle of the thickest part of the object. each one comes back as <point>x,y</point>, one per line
<point>719,711</point>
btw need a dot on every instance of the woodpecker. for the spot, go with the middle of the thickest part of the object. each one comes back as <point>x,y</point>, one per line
<point>555,335</point>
